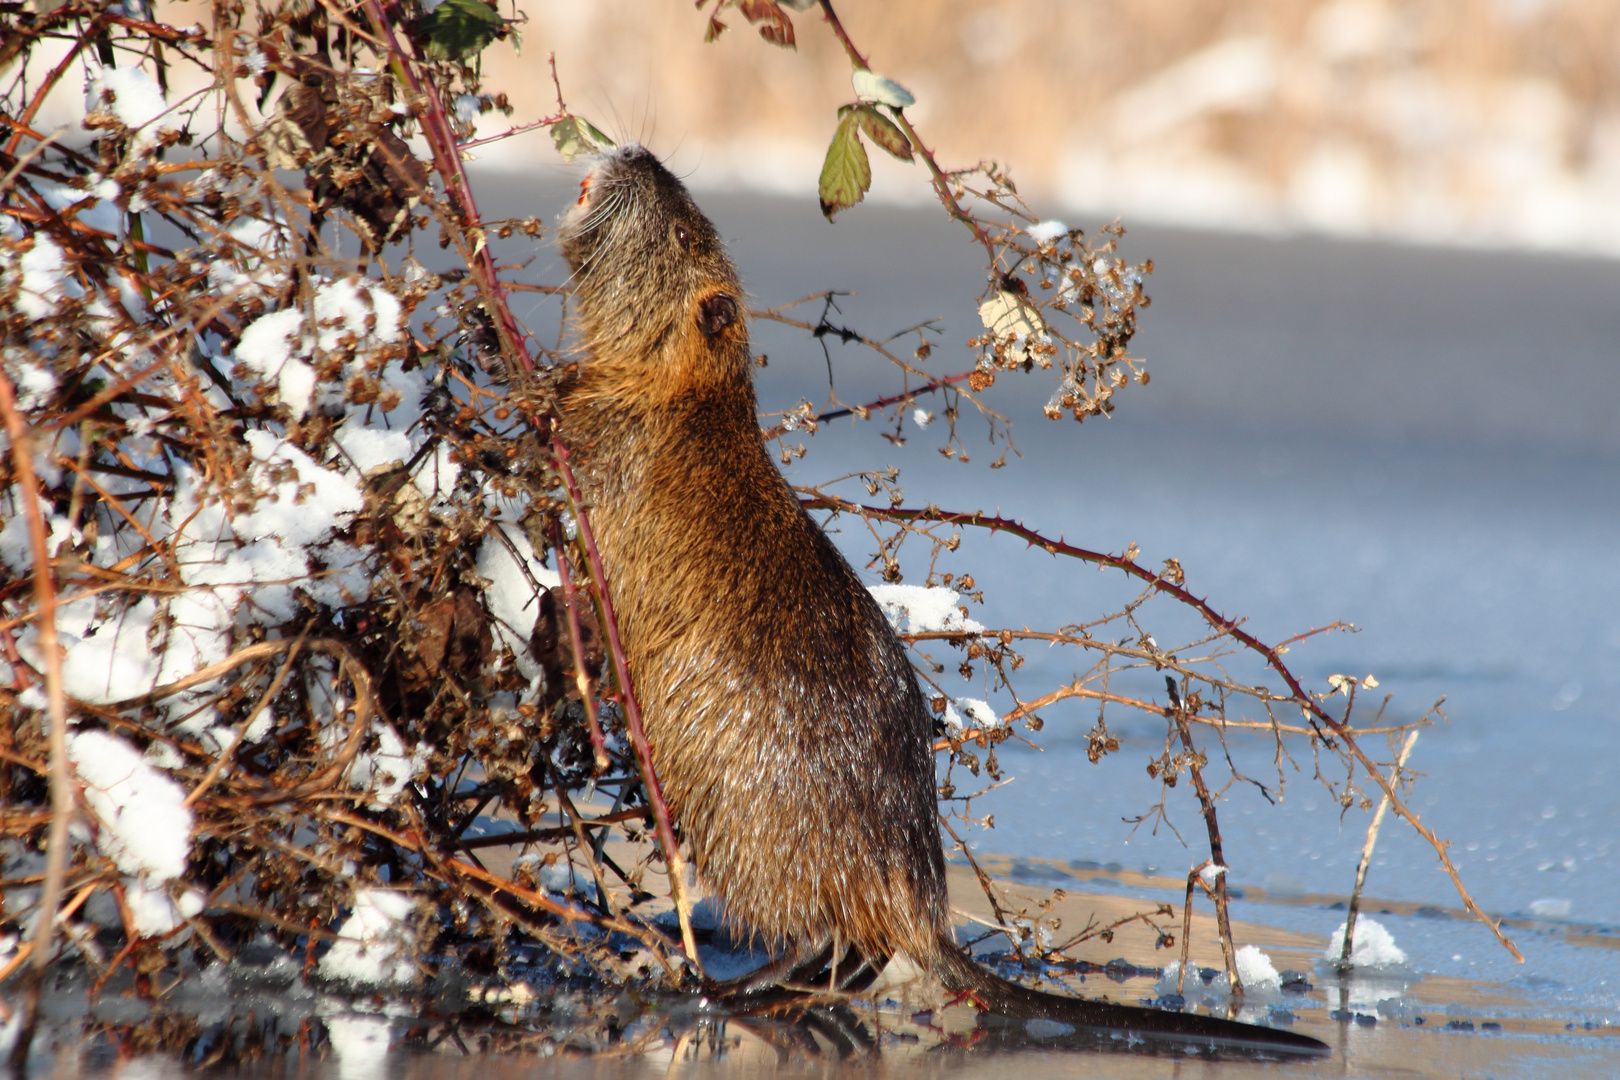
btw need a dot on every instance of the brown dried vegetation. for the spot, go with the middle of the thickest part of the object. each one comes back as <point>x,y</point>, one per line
<point>271,478</point>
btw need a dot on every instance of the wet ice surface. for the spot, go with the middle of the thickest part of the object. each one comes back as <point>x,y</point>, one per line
<point>1422,443</point>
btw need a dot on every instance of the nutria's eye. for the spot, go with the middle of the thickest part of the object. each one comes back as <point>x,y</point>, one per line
<point>716,313</point>
<point>682,237</point>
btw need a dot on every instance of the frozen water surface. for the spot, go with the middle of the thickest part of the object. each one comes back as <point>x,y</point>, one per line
<point>1423,443</point>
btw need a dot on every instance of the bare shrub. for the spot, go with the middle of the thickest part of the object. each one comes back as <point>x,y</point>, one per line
<point>301,617</point>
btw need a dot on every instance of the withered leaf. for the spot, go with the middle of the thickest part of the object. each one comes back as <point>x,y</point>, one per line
<point>883,131</point>
<point>846,175</point>
<point>778,28</point>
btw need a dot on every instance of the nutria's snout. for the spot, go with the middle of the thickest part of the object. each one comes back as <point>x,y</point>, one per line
<point>642,256</point>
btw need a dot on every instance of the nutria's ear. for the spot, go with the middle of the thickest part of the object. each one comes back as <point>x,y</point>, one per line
<point>716,313</point>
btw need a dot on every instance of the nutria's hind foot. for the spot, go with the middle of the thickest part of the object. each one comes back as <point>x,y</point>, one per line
<point>804,970</point>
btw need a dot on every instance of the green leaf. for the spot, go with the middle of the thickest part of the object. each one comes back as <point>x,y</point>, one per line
<point>574,135</point>
<point>846,174</point>
<point>881,130</point>
<point>458,28</point>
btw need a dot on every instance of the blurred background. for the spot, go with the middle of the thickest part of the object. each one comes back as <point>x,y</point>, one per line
<point>1478,122</point>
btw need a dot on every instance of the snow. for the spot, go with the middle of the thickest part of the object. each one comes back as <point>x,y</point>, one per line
<point>923,609</point>
<point>1256,971</point>
<point>302,510</point>
<point>16,548</point>
<point>921,417</point>
<point>137,99</point>
<point>980,716</point>
<point>267,346</point>
<point>1047,232</point>
<point>870,86</point>
<point>153,912</point>
<point>43,278</point>
<point>113,663</point>
<point>146,828</point>
<point>35,383</point>
<point>386,770</point>
<point>1374,946</point>
<point>376,943</point>
<point>235,271</point>
<point>350,313</point>
<point>510,595</point>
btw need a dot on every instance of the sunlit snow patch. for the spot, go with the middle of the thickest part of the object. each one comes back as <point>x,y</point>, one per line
<point>375,944</point>
<point>146,827</point>
<point>922,609</point>
<point>1373,948</point>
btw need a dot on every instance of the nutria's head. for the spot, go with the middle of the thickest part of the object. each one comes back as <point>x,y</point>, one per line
<point>648,270</point>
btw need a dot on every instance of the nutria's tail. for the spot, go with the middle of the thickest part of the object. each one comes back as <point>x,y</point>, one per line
<point>1090,1019</point>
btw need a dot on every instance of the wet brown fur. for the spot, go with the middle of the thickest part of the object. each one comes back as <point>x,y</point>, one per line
<point>786,725</point>
<point>787,728</point>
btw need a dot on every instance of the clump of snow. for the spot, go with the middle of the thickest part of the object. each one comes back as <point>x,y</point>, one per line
<point>153,912</point>
<point>1256,970</point>
<point>1211,874</point>
<point>351,314</point>
<point>133,96</point>
<point>922,609</point>
<point>1550,908</point>
<point>41,273</point>
<point>376,943</point>
<point>35,383</point>
<point>1374,946</point>
<point>113,662</point>
<point>235,270</point>
<point>16,546</point>
<point>922,417</point>
<point>1047,232</point>
<point>146,827</point>
<point>386,770</point>
<point>980,716</point>
<point>870,86</point>
<point>267,347</point>
<point>511,595</point>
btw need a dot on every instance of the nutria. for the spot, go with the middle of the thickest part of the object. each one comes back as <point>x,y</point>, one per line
<point>787,727</point>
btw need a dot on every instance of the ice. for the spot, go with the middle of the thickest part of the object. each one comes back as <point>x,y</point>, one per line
<point>1550,908</point>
